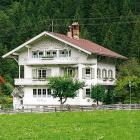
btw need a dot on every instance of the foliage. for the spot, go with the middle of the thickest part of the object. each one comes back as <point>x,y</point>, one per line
<point>129,74</point>
<point>6,100</point>
<point>7,89</point>
<point>64,87</point>
<point>109,97</point>
<point>98,93</point>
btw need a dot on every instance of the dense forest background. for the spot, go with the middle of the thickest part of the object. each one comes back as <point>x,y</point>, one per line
<point>114,24</point>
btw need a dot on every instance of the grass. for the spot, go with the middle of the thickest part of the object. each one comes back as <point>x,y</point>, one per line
<point>97,125</point>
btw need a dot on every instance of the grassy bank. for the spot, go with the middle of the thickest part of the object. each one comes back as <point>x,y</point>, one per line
<point>98,125</point>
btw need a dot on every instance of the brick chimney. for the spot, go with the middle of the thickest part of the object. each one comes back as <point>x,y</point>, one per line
<point>74,30</point>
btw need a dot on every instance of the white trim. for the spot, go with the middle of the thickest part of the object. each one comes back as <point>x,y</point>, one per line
<point>40,35</point>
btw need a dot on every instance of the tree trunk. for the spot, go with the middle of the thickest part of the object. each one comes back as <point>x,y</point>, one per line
<point>97,103</point>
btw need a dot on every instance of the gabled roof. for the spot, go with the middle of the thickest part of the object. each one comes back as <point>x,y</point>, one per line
<point>81,44</point>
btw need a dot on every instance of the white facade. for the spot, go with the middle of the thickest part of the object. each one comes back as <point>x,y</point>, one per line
<point>45,57</point>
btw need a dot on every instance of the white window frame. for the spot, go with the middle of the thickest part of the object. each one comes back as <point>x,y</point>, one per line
<point>89,95</point>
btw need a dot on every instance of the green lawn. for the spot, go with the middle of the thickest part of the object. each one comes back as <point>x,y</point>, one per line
<point>97,125</point>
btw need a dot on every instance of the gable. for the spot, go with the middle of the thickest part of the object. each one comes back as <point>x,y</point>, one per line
<point>38,37</point>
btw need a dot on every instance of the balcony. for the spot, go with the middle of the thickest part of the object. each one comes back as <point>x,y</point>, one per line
<point>106,81</point>
<point>31,82</point>
<point>59,60</point>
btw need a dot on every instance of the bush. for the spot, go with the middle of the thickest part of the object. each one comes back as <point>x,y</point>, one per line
<point>7,89</point>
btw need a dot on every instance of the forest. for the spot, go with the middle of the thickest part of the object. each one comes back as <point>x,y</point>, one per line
<point>114,24</point>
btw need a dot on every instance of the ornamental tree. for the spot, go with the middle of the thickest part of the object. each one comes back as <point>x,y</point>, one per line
<point>64,87</point>
<point>98,93</point>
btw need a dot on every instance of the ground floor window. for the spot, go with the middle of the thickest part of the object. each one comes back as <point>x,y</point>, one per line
<point>87,92</point>
<point>41,92</point>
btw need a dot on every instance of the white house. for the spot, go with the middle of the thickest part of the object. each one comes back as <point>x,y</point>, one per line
<point>52,54</point>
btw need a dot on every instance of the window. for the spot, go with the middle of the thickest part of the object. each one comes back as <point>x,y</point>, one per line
<point>87,71</point>
<point>39,92</point>
<point>87,92</point>
<point>40,53</point>
<point>34,54</point>
<point>64,53</point>
<point>43,73</point>
<point>39,73</point>
<point>54,54</point>
<point>70,71</point>
<point>48,53</point>
<point>49,92</point>
<point>104,73</point>
<point>98,73</point>
<point>44,92</point>
<point>34,92</point>
<point>110,74</point>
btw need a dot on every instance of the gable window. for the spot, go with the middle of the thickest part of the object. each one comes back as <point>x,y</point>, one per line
<point>34,54</point>
<point>87,92</point>
<point>54,53</point>
<point>51,53</point>
<point>64,53</point>
<point>40,54</point>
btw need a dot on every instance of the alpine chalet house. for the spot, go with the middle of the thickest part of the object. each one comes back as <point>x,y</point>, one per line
<point>52,54</point>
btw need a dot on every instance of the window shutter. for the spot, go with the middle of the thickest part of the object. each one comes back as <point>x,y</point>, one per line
<point>48,73</point>
<point>34,73</point>
<point>92,73</point>
<point>83,73</point>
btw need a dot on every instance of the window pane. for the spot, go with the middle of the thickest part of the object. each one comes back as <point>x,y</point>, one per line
<point>40,54</point>
<point>87,70</point>
<point>49,92</point>
<point>43,73</point>
<point>39,74</point>
<point>35,54</point>
<point>34,92</point>
<point>54,53</point>
<point>44,92</point>
<point>87,92</point>
<point>39,92</point>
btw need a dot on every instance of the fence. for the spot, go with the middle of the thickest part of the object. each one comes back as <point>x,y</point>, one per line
<point>69,108</point>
